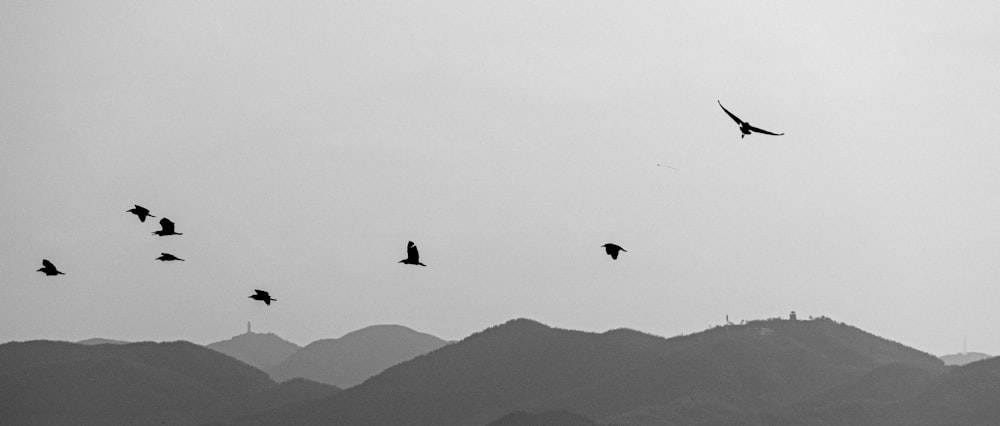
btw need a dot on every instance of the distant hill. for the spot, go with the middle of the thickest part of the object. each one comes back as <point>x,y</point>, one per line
<point>966,395</point>
<point>58,383</point>
<point>356,356</point>
<point>548,418</point>
<point>100,341</point>
<point>726,375</point>
<point>261,350</point>
<point>964,358</point>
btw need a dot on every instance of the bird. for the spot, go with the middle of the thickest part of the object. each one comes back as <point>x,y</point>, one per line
<point>412,256</point>
<point>613,249</point>
<point>665,165</point>
<point>263,296</point>
<point>165,257</point>
<point>168,228</point>
<point>745,127</point>
<point>140,211</point>
<point>49,269</point>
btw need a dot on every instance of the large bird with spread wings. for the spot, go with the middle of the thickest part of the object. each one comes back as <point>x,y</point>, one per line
<point>167,228</point>
<point>140,211</point>
<point>613,249</point>
<point>745,127</point>
<point>412,255</point>
<point>167,257</point>
<point>263,296</point>
<point>49,269</point>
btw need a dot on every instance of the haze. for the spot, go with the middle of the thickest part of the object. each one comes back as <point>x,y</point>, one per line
<point>299,147</point>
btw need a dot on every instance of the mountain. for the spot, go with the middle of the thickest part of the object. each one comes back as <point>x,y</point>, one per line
<point>726,375</point>
<point>55,383</point>
<point>100,341</point>
<point>261,350</point>
<point>966,395</point>
<point>964,358</point>
<point>356,356</point>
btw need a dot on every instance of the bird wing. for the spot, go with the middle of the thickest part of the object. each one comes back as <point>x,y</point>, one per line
<point>47,264</point>
<point>411,252</point>
<point>752,128</point>
<point>167,225</point>
<point>731,115</point>
<point>267,302</point>
<point>263,293</point>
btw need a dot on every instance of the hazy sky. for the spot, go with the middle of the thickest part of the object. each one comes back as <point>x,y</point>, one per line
<point>299,147</point>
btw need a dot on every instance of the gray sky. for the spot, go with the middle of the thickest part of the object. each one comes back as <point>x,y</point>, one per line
<point>299,147</point>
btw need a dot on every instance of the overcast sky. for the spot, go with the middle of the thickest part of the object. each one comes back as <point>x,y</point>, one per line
<point>299,147</point>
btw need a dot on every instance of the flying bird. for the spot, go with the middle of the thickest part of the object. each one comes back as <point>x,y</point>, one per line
<point>412,256</point>
<point>165,257</point>
<point>666,165</point>
<point>49,269</point>
<point>613,249</point>
<point>168,228</point>
<point>745,127</point>
<point>263,296</point>
<point>140,211</point>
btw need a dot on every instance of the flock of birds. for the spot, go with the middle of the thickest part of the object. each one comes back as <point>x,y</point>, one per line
<point>412,254</point>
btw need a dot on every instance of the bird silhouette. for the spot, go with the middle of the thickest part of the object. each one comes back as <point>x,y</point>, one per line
<point>613,249</point>
<point>49,269</point>
<point>168,228</point>
<point>263,296</point>
<point>166,257</point>
<point>140,211</point>
<point>745,127</point>
<point>412,255</point>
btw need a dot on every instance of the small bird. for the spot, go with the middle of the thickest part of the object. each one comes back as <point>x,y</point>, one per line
<point>140,211</point>
<point>165,257</point>
<point>613,249</point>
<point>49,269</point>
<point>263,296</point>
<point>745,127</point>
<point>412,256</point>
<point>666,165</point>
<point>168,228</point>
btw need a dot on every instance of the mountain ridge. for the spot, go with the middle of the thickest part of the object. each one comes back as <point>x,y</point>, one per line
<point>354,357</point>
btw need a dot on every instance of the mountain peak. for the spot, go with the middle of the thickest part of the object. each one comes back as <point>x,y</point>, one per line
<point>356,356</point>
<point>261,350</point>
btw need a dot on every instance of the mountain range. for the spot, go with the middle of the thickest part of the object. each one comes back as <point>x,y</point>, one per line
<point>342,362</point>
<point>763,372</point>
<point>521,373</point>
<point>356,356</point>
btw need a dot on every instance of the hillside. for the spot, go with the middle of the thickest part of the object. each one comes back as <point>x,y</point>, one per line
<point>548,418</point>
<point>101,341</point>
<point>726,375</point>
<point>55,383</point>
<point>261,350</point>
<point>964,358</point>
<point>966,395</point>
<point>356,356</point>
